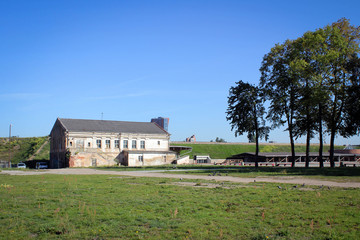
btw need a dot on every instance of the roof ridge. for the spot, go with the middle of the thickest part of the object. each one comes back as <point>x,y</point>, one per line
<point>82,119</point>
<point>62,124</point>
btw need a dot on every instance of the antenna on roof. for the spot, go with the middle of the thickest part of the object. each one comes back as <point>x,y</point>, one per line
<point>102,115</point>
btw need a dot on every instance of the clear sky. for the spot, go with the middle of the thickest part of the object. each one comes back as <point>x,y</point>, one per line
<point>135,60</point>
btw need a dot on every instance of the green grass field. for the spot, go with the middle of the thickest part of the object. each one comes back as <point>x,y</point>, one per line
<point>222,151</point>
<point>115,207</point>
<point>328,174</point>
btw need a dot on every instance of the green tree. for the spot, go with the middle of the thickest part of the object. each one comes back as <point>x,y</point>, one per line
<point>323,69</point>
<point>352,106</point>
<point>281,86</point>
<point>221,140</point>
<point>312,44</point>
<point>339,46</point>
<point>246,113</point>
<point>305,122</point>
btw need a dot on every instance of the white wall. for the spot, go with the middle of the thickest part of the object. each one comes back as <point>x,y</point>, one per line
<point>80,141</point>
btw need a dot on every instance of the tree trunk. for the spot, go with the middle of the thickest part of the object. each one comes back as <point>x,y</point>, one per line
<point>307,158</point>
<point>290,126</point>
<point>307,101</point>
<point>321,161</point>
<point>332,140</point>
<point>257,145</point>
<point>308,136</point>
<point>292,144</point>
<point>333,131</point>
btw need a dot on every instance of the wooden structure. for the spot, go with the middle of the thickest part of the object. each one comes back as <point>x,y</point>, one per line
<point>283,157</point>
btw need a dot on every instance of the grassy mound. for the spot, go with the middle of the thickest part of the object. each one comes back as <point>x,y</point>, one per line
<point>23,148</point>
<point>222,151</point>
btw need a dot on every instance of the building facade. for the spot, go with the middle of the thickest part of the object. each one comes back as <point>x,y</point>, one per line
<point>85,143</point>
<point>162,122</point>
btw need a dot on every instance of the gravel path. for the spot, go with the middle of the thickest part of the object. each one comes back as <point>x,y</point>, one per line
<point>89,171</point>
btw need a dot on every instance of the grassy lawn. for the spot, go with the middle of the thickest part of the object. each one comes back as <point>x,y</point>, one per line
<point>331,174</point>
<point>114,207</point>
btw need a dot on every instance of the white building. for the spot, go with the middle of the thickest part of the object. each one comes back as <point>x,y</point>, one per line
<point>84,143</point>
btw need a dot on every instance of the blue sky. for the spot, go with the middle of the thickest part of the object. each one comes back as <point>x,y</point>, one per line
<point>135,60</point>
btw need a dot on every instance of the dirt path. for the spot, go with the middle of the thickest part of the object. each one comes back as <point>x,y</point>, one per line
<point>88,171</point>
<point>38,151</point>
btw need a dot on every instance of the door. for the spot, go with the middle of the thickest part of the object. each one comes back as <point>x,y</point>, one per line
<point>93,162</point>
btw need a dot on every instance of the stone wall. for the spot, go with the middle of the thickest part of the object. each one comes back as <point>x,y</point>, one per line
<point>85,159</point>
<point>151,159</point>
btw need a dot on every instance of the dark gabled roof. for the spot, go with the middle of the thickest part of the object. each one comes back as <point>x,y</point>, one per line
<point>82,125</point>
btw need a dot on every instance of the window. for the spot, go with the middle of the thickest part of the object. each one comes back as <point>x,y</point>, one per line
<point>133,145</point>
<point>89,144</point>
<point>126,144</point>
<point>79,143</point>
<point>142,144</point>
<point>107,143</point>
<point>117,143</point>
<point>98,143</point>
<point>158,142</point>
<point>70,143</point>
<point>141,158</point>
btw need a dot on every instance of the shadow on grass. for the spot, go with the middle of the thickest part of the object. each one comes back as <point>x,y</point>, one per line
<point>295,171</point>
<point>339,171</point>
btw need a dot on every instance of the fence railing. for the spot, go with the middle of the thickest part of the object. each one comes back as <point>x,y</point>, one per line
<point>4,164</point>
